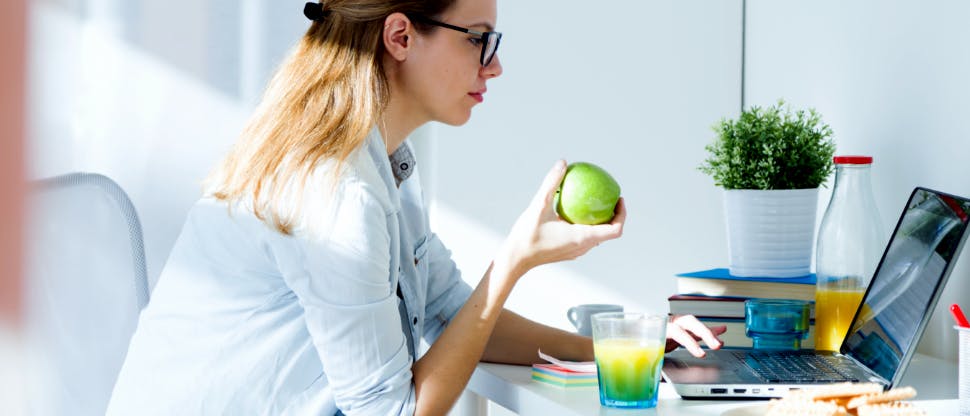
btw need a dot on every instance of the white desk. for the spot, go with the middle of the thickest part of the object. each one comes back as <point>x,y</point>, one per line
<point>512,387</point>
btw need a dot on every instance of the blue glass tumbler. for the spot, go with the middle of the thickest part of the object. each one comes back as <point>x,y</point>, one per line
<point>776,324</point>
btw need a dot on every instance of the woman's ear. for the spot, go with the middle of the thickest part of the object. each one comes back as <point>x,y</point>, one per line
<point>397,35</point>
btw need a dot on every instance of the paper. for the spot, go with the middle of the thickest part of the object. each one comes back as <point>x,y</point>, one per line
<point>583,366</point>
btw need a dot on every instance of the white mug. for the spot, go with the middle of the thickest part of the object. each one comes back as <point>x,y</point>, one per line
<point>579,316</point>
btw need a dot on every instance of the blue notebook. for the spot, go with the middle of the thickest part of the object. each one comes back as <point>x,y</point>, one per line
<point>718,282</point>
<point>808,279</point>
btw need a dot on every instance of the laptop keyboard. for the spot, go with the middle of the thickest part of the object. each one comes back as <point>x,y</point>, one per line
<point>795,367</point>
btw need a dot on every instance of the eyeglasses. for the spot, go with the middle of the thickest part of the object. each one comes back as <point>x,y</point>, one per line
<point>488,40</point>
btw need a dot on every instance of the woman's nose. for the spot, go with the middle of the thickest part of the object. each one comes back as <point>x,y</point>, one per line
<point>493,69</point>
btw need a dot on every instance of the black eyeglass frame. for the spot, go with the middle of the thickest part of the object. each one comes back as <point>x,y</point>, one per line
<point>484,36</point>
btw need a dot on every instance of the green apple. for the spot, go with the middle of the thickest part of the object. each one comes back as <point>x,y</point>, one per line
<point>587,194</point>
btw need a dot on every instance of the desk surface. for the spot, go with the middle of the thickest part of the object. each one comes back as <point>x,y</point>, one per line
<point>512,387</point>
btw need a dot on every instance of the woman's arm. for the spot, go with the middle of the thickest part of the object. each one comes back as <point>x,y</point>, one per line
<point>538,237</point>
<point>441,375</point>
<point>516,340</point>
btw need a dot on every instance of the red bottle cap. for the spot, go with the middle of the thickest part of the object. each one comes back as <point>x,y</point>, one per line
<point>852,160</point>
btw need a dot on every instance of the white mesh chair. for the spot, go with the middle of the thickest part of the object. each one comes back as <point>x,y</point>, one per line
<point>85,286</point>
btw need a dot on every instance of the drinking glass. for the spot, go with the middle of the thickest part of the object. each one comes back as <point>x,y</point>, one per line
<point>629,352</point>
<point>776,324</point>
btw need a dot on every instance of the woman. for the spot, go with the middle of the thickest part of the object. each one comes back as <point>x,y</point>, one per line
<point>304,280</point>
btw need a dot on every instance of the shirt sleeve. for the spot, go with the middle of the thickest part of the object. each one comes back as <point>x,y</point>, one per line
<point>447,292</point>
<point>343,282</point>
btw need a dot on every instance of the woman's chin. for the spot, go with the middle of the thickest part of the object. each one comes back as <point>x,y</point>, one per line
<point>456,119</point>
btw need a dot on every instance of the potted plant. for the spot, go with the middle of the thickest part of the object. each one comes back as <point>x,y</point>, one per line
<point>770,162</point>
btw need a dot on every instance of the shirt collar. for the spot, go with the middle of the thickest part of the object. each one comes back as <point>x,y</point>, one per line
<point>402,163</point>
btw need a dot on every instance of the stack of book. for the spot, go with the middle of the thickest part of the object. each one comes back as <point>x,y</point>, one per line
<point>562,377</point>
<point>717,298</point>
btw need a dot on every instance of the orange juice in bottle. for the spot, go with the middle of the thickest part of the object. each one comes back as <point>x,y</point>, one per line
<point>834,309</point>
<point>850,240</point>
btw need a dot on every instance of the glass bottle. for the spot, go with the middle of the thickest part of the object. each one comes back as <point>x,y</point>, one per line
<point>851,240</point>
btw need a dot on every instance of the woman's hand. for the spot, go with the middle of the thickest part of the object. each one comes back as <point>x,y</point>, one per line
<point>686,330</point>
<point>539,236</point>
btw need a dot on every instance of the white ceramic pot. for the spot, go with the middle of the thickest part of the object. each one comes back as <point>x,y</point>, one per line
<point>770,233</point>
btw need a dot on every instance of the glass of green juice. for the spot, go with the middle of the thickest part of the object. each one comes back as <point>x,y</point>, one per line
<point>629,352</point>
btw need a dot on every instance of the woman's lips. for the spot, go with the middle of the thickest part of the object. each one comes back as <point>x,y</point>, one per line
<point>478,96</point>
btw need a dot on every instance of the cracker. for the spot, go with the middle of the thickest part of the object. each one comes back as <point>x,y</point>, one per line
<point>844,399</point>
<point>882,397</point>
<point>840,390</point>
<point>890,409</point>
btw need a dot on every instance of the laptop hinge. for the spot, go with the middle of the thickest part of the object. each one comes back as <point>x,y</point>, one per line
<point>872,374</point>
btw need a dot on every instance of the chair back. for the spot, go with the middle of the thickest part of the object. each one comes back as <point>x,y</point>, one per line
<point>85,286</point>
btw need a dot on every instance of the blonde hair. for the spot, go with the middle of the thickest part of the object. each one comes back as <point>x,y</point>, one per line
<point>320,105</point>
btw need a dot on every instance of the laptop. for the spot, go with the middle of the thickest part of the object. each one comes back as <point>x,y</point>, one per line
<point>884,332</point>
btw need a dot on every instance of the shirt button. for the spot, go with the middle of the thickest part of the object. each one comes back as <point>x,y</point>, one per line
<point>415,320</point>
<point>404,166</point>
<point>415,261</point>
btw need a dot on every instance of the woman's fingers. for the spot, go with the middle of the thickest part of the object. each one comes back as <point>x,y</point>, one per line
<point>614,228</point>
<point>686,330</point>
<point>718,330</point>
<point>550,184</point>
<point>619,216</point>
<point>611,230</point>
<point>680,335</point>
<point>696,327</point>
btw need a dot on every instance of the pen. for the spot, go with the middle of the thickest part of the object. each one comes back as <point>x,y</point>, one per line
<point>959,316</point>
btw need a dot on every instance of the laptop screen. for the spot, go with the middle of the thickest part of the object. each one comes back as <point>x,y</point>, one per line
<point>910,276</point>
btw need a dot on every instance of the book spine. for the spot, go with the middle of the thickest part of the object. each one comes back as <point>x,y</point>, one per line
<point>714,306</point>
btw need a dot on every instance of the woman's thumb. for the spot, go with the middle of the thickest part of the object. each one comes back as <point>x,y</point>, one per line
<point>551,183</point>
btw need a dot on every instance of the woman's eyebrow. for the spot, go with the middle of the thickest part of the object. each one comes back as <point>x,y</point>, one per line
<point>488,26</point>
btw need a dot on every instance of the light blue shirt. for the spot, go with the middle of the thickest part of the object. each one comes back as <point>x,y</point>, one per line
<point>246,320</point>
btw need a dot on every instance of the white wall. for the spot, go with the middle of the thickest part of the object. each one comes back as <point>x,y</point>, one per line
<point>633,87</point>
<point>891,78</point>
<point>150,93</point>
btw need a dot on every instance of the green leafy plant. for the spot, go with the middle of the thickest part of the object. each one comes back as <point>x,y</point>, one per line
<point>771,148</point>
